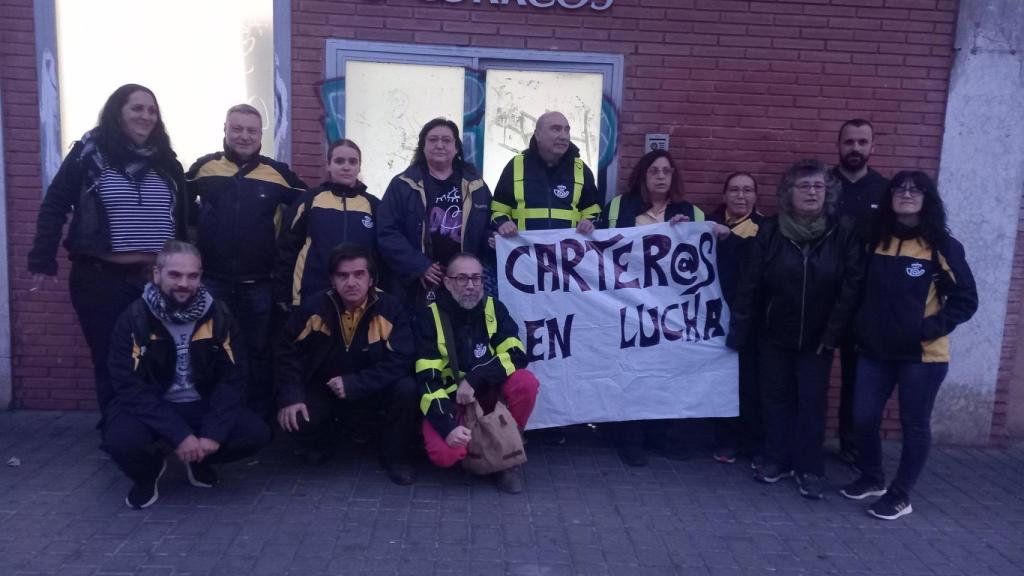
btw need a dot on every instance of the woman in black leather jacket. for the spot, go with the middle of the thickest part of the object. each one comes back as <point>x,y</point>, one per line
<point>798,292</point>
<point>125,189</point>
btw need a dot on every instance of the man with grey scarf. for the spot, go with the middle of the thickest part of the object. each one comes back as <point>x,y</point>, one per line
<point>180,380</point>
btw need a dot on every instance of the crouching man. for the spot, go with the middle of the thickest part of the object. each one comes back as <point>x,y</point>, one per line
<point>469,348</point>
<point>180,379</point>
<point>348,346</point>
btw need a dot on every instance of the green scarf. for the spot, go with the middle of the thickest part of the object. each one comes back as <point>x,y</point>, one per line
<point>800,230</point>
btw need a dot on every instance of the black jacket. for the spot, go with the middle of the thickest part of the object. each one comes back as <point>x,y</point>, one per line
<point>238,206</point>
<point>74,189</point>
<point>323,218</point>
<point>312,349</point>
<point>794,299</point>
<point>914,296</point>
<point>545,188</point>
<point>142,368</point>
<point>485,359</point>
<point>621,211</point>
<point>403,236</point>
<point>859,200</point>
<point>732,251</point>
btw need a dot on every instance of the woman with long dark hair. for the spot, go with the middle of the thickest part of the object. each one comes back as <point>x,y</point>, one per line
<point>918,289</point>
<point>797,293</point>
<point>124,187</point>
<point>654,195</point>
<point>339,211</point>
<point>436,208</point>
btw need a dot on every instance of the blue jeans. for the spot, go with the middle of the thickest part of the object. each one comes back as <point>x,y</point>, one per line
<point>918,385</point>
<point>139,451</point>
<point>251,304</point>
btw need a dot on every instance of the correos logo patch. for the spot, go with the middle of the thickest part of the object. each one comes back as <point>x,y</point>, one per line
<point>916,269</point>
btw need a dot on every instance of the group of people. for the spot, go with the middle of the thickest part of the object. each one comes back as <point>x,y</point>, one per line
<point>303,308</point>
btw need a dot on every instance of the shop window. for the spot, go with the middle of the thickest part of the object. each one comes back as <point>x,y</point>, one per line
<point>388,106</point>
<point>198,57</point>
<point>380,95</point>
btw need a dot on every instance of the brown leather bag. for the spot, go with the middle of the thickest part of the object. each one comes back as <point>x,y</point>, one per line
<point>495,443</point>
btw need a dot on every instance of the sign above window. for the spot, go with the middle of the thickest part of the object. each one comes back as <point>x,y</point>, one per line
<point>569,4</point>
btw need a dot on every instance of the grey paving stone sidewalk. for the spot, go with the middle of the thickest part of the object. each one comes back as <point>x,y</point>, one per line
<point>62,512</point>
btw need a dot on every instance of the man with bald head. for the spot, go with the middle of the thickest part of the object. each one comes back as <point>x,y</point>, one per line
<point>547,186</point>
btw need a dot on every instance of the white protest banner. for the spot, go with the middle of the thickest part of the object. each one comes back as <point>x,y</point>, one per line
<point>621,324</point>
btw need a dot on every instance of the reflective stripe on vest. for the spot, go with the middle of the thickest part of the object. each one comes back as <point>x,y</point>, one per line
<point>613,211</point>
<point>615,204</point>
<point>520,213</point>
<point>444,367</point>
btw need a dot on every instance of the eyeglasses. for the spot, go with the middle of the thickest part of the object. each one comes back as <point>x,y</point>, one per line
<point>652,171</point>
<point>462,280</point>
<point>807,187</point>
<point>908,188</point>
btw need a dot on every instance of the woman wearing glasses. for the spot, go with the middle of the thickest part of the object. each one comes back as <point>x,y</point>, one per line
<point>436,208</point>
<point>654,196</point>
<point>739,212</point>
<point>918,289</point>
<point>797,293</point>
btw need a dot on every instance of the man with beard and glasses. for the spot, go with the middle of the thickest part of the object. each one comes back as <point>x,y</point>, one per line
<point>862,189</point>
<point>468,349</point>
<point>180,381</point>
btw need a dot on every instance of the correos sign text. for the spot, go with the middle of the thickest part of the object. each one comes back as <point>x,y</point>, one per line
<point>570,4</point>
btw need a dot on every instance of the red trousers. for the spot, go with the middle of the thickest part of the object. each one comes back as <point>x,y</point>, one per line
<point>520,393</point>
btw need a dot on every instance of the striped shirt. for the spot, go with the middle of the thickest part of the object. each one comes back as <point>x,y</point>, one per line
<point>140,215</point>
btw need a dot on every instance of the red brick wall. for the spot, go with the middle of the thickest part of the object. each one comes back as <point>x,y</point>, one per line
<point>737,84</point>
<point>51,365</point>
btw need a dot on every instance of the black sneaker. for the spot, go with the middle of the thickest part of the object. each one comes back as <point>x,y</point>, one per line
<point>400,473</point>
<point>891,506</point>
<point>725,455</point>
<point>811,486</point>
<point>862,488</point>
<point>315,456</point>
<point>145,495</point>
<point>771,473</point>
<point>757,462</point>
<point>201,475</point>
<point>510,481</point>
<point>632,455</point>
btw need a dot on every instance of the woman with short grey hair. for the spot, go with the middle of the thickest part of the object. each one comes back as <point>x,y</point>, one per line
<point>798,292</point>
